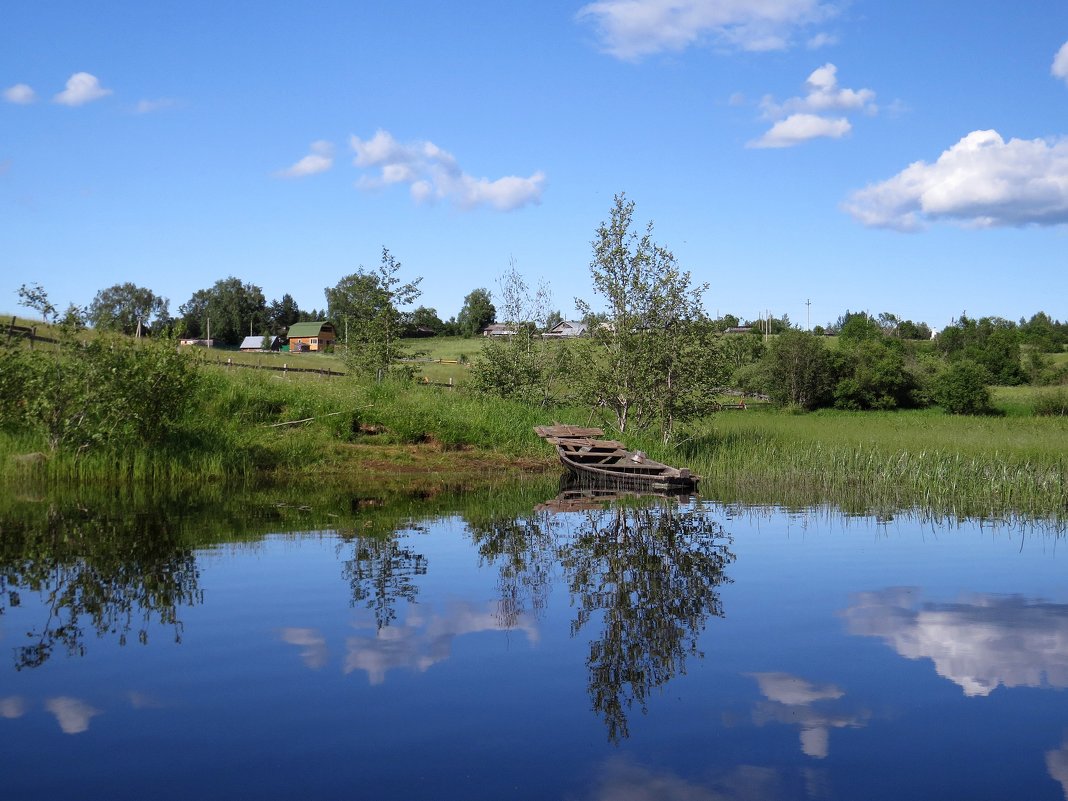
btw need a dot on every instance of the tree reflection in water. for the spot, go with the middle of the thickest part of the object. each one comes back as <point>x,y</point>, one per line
<point>103,574</point>
<point>381,573</point>
<point>652,572</point>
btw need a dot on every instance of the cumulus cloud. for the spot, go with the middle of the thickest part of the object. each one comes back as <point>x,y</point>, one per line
<point>795,701</point>
<point>979,643</point>
<point>423,642</point>
<point>72,714</point>
<point>801,118</point>
<point>320,159</point>
<point>315,653</point>
<point>1060,63</point>
<point>81,88</point>
<point>432,174</point>
<point>20,93</point>
<point>982,181</point>
<point>1057,765</point>
<point>631,29</point>
<point>798,128</point>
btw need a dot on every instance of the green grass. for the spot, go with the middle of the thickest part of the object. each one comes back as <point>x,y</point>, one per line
<point>974,466</point>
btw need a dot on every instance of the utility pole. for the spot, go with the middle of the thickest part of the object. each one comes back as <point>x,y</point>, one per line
<point>808,314</point>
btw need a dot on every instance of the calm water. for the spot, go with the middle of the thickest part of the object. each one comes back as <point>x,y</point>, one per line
<point>652,651</point>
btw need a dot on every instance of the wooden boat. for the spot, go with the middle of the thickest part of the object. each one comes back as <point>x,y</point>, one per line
<point>584,453</point>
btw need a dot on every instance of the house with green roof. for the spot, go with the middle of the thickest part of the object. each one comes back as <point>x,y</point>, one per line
<point>311,336</point>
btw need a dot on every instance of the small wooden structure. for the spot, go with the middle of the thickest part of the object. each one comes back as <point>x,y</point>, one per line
<point>584,453</point>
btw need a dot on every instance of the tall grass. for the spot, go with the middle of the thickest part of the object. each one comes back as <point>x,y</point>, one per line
<point>868,461</point>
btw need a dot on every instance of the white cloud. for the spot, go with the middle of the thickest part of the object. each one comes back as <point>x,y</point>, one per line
<point>433,174</point>
<point>20,93</point>
<point>315,653</point>
<point>421,643</point>
<point>631,29</point>
<point>1060,63</point>
<point>1057,765</point>
<point>72,714</point>
<point>799,119</point>
<point>319,160</point>
<point>12,707</point>
<point>982,181</point>
<point>798,128</point>
<point>821,40</point>
<point>978,643</point>
<point>81,88</point>
<point>798,702</point>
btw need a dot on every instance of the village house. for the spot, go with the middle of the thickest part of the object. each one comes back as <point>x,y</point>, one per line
<point>311,336</point>
<point>567,328</point>
<point>498,330</point>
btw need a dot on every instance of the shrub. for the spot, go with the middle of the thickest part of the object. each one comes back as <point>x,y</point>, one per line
<point>962,388</point>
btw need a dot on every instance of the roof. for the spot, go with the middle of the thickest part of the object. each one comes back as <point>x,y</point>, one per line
<point>568,328</point>
<point>255,341</point>
<point>309,329</point>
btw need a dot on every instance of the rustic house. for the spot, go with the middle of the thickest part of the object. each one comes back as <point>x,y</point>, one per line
<point>567,328</point>
<point>498,330</point>
<point>256,343</point>
<point>311,336</point>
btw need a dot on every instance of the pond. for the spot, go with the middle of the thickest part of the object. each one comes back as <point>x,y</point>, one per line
<point>577,648</point>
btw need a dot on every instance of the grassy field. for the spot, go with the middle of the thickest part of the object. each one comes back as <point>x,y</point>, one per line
<point>304,428</point>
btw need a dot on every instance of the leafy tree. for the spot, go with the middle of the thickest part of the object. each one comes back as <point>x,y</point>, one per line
<point>992,342</point>
<point>369,302</point>
<point>425,318</point>
<point>797,371</point>
<point>477,312</point>
<point>523,366</point>
<point>105,393</point>
<point>872,374</point>
<point>653,361</point>
<point>553,319</point>
<point>281,314</point>
<point>123,307</point>
<point>231,307</point>
<point>1043,333</point>
<point>907,329</point>
<point>962,388</point>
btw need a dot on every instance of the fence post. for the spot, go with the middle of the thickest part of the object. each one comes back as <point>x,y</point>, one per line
<point>285,370</point>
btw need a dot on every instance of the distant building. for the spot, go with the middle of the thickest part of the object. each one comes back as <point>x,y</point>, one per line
<point>311,336</point>
<point>567,328</point>
<point>498,330</point>
<point>739,329</point>
<point>202,343</point>
<point>255,343</point>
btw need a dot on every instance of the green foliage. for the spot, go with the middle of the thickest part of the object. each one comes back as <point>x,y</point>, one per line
<point>477,312</point>
<point>521,366</point>
<point>123,308</point>
<point>797,371</point>
<point>653,362</point>
<point>871,371</point>
<point>230,309</point>
<point>1052,403</point>
<point>368,302</point>
<point>281,314</point>
<point>106,394</point>
<point>962,388</point>
<point>991,342</point>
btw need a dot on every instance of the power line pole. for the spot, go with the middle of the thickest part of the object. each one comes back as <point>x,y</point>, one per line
<point>808,314</point>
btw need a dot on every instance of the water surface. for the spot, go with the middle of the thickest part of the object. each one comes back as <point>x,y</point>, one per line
<point>652,649</point>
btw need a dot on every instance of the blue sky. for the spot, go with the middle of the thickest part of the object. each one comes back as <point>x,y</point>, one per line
<point>909,157</point>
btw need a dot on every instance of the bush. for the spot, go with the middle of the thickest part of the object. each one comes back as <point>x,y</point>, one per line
<point>1052,404</point>
<point>962,388</point>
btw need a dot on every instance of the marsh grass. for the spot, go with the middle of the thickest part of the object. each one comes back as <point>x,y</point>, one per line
<point>869,461</point>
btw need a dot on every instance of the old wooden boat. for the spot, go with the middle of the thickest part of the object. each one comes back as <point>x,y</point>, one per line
<point>584,452</point>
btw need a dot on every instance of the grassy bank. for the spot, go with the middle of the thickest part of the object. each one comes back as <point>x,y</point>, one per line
<point>305,430</point>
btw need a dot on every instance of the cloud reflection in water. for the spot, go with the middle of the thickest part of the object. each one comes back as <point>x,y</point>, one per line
<point>978,643</point>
